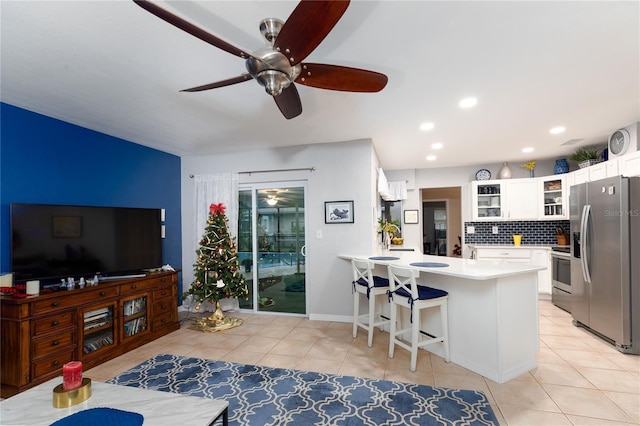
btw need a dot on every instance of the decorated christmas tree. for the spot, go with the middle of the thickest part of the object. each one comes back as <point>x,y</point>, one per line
<point>217,270</point>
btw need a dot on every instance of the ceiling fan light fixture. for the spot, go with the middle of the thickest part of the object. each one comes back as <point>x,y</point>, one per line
<point>272,201</point>
<point>274,81</point>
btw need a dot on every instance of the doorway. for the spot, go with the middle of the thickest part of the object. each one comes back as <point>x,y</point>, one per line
<point>442,221</point>
<point>434,215</point>
<point>271,247</point>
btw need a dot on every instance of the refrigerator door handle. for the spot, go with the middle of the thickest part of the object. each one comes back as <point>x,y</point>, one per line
<point>584,243</point>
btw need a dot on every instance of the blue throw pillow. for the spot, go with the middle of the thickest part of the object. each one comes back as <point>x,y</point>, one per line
<point>101,417</point>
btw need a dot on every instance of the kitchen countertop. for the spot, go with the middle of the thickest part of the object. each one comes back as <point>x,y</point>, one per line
<point>457,267</point>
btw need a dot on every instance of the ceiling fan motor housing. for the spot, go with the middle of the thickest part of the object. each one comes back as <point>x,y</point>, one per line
<point>272,70</point>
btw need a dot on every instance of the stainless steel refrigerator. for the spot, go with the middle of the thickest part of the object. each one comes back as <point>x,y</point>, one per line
<point>605,259</point>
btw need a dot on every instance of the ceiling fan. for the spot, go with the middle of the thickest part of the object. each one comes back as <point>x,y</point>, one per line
<point>278,65</point>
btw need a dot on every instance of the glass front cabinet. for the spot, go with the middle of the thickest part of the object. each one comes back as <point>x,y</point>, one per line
<point>554,198</point>
<point>98,328</point>
<point>488,200</point>
<point>135,316</point>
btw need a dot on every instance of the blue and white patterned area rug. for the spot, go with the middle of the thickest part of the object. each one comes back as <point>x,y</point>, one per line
<point>277,396</point>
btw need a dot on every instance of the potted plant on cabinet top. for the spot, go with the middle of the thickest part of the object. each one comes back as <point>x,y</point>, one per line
<point>586,156</point>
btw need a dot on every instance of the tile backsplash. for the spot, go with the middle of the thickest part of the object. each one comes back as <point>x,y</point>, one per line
<point>534,232</point>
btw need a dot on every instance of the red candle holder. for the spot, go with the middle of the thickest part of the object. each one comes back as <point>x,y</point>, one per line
<point>72,375</point>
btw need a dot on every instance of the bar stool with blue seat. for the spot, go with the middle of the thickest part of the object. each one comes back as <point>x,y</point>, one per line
<point>375,288</point>
<point>404,292</point>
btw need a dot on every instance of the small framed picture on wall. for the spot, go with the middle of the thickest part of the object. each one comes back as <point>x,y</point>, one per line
<point>338,212</point>
<point>411,216</point>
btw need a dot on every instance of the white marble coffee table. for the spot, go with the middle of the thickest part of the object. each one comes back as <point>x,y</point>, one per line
<point>35,406</point>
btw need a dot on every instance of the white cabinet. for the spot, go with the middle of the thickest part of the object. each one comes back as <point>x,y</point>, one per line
<point>513,199</point>
<point>597,171</point>
<point>536,255</point>
<point>521,199</point>
<point>581,176</point>
<point>553,199</point>
<point>542,257</point>
<point>629,165</point>
<point>487,200</point>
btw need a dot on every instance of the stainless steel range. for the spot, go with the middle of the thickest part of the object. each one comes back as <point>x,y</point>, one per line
<point>561,277</point>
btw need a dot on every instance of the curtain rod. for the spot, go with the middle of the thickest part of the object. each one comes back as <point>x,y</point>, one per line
<point>311,169</point>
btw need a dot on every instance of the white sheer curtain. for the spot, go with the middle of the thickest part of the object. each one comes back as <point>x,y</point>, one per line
<point>214,189</point>
<point>397,190</point>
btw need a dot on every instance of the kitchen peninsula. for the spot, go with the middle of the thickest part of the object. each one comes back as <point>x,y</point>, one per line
<point>493,310</point>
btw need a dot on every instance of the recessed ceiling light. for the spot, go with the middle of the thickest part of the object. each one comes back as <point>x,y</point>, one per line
<point>557,130</point>
<point>468,102</point>
<point>431,157</point>
<point>527,149</point>
<point>436,145</point>
<point>426,126</point>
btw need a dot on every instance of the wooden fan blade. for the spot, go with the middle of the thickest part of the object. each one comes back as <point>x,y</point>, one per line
<point>289,102</point>
<point>336,77</point>
<point>308,25</point>
<point>227,82</point>
<point>190,28</point>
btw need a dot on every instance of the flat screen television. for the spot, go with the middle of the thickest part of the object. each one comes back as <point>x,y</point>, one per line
<point>50,242</point>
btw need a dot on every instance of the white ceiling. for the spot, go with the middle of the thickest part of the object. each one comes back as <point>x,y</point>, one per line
<point>115,68</point>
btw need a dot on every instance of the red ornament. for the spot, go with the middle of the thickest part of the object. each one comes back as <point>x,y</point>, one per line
<point>217,208</point>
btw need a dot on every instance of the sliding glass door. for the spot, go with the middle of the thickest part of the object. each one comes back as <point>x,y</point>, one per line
<point>271,247</point>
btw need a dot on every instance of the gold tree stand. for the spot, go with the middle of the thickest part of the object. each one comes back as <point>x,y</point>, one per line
<point>216,322</point>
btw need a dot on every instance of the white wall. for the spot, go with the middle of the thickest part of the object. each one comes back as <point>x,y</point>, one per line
<point>344,171</point>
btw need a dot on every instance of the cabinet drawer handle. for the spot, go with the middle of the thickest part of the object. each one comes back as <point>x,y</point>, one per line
<point>163,320</point>
<point>163,293</point>
<point>56,343</point>
<point>54,323</point>
<point>55,304</point>
<point>56,363</point>
<point>163,280</point>
<point>102,293</point>
<point>134,286</point>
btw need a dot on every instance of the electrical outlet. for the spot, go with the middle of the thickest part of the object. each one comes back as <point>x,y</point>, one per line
<point>471,229</point>
<point>494,229</point>
<point>319,233</point>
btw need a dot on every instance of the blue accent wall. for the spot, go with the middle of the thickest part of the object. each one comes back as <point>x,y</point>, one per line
<point>48,161</point>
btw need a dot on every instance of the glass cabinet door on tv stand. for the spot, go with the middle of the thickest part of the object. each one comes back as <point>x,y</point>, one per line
<point>98,328</point>
<point>135,316</point>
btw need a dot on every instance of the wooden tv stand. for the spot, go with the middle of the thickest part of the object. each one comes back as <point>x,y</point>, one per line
<point>93,325</point>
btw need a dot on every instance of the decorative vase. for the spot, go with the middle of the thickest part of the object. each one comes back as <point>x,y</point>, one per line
<point>504,172</point>
<point>562,166</point>
<point>531,173</point>
<point>386,241</point>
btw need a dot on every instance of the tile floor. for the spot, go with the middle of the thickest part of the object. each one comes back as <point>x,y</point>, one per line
<point>580,379</point>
